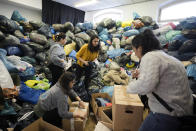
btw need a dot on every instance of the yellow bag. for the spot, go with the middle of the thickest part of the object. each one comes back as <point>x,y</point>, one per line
<point>38,84</point>
<point>68,48</point>
<point>126,23</point>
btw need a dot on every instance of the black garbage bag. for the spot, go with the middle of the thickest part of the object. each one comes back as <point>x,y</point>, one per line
<point>175,45</point>
<point>69,26</point>
<point>29,60</point>
<point>36,47</point>
<point>38,38</point>
<point>188,46</point>
<point>108,23</point>
<point>25,117</point>
<point>83,36</point>
<point>10,40</point>
<point>123,59</point>
<point>190,34</point>
<point>18,34</point>
<point>147,20</point>
<point>40,56</point>
<point>7,25</point>
<point>79,88</point>
<point>77,30</point>
<point>2,36</point>
<point>27,51</point>
<point>79,43</point>
<point>128,47</point>
<point>91,32</point>
<point>45,30</point>
<point>102,56</point>
<point>26,26</point>
<point>36,25</point>
<point>59,27</point>
<point>47,46</point>
<point>70,36</point>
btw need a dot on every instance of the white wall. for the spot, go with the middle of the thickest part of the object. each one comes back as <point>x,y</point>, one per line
<point>143,9</point>
<point>7,9</point>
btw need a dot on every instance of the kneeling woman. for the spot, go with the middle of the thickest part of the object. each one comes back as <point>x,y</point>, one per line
<point>53,104</point>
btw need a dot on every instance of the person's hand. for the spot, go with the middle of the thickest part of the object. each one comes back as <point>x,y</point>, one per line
<point>82,104</point>
<point>79,114</point>
<point>135,73</point>
<point>62,60</point>
<point>86,63</point>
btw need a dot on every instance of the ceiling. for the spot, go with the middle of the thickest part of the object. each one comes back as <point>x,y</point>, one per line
<point>101,4</point>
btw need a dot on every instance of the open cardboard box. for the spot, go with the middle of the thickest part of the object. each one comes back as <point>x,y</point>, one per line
<point>106,117</point>
<point>41,125</point>
<point>96,109</point>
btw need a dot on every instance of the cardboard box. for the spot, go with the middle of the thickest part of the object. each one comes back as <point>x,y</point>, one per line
<point>75,124</point>
<point>96,109</point>
<point>127,110</point>
<point>106,117</point>
<point>41,125</point>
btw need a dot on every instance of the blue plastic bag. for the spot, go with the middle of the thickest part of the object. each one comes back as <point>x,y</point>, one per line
<point>127,28</point>
<point>7,110</point>
<point>108,89</point>
<point>87,26</point>
<point>17,16</point>
<point>104,37</point>
<point>52,30</point>
<point>104,32</point>
<point>131,33</point>
<point>136,16</point>
<point>13,50</point>
<point>116,52</point>
<point>191,71</point>
<point>10,67</point>
<point>99,28</point>
<point>27,74</point>
<point>28,94</point>
<point>24,40</point>
<point>73,54</point>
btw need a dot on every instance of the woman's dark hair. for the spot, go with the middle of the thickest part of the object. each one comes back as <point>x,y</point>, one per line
<point>90,44</point>
<point>60,36</point>
<point>147,40</point>
<point>64,80</point>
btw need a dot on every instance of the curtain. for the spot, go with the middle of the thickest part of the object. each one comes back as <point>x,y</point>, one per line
<point>54,12</point>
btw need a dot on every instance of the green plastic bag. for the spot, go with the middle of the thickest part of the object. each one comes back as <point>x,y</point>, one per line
<point>42,84</point>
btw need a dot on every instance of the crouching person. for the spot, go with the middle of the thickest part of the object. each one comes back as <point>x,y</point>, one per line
<point>53,104</point>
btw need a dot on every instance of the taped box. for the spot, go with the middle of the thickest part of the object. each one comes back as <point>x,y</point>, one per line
<point>96,109</point>
<point>75,124</point>
<point>127,110</point>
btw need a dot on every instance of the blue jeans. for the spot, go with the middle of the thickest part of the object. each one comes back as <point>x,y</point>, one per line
<point>160,122</point>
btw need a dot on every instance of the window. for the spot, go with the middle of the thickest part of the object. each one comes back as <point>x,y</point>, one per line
<point>176,11</point>
<point>114,14</point>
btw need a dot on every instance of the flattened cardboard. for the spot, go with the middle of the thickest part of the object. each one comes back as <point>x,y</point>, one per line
<point>96,109</point>
<point>127,110</point>
<point>106,117</point>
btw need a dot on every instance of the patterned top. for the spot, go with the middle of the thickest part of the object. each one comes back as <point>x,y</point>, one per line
<point>166,76</point>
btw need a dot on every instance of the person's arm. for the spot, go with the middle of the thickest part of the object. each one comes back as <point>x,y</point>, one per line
<point>73,94</point>
<point>54,56</point>
<point>80,53</point>
<point>148,77</point>
<point>62,106</point>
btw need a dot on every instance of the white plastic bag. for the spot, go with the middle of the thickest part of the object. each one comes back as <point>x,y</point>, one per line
<point>5,78</point>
